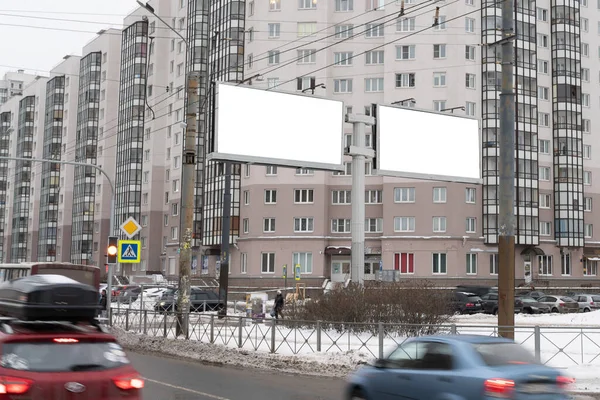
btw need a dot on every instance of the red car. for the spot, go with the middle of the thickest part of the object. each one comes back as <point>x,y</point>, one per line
<point>62,360</point>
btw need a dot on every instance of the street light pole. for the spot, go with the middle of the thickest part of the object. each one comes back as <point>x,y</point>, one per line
<point>112,204</point>
<point>188,185</point>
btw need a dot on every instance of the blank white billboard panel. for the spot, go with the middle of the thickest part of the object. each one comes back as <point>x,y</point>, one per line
<point>427,145</point>
<point>274,128</point>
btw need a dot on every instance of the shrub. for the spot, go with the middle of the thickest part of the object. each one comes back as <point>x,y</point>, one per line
<point>413,308</point>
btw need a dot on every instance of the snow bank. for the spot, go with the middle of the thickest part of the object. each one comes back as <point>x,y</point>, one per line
<point>589,319</point>
<point>337,365</point>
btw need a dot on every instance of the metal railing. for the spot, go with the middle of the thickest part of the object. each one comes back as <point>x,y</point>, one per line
<point>557,346</point>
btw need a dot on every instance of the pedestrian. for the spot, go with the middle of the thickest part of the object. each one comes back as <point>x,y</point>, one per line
<point>103,304</point>
<point>278,308</point>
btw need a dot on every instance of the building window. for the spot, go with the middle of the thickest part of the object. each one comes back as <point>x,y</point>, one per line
<point>493,264</point>
<point>590,268</point>
<point>373,197</point>
<point>586,125</point>
<point>544,146</point>
<point>470,108</point>
<point>471,264</point>
<point>405,80</point>
<point>470,81</point>
<point>406,52</point>
<point>342,85</point>
<point>587,204</point>
<point>588,230</point>
<point>246,197</point>
<point>274,30</point>
<point>307,4</point>
<point>341,196</point>
<point>374,225</point>
<point>273,57</point>
<point>340,225</point>
<point>306,29</point>
<point>587,178</point>
<point>243,263</point>
<point>303,196</point>
<point>585,99</point>
<point>545,263</point>
<point>587,151</point>
<point>439,105</point>
<point>307,56</point>
<point>544,119</point>
<point>404,262</point>
<point>270,196</point>
<point>439,195</point>
<point>271,170</point>
<point>174,233</point>
<point>470,195</point>
<point>343,58</point>
<point>543,66</point>
<point>344,31</point>
<point>471,225</point>
<point>269,225</point>
<point>439,263</point>
<point>565,264</point>
<point>344,5</point>
<point>441,23</point>
<point>404,224</point>
<point>470,53</point>
<point>545,228</point>
<point>247,171</point>
<point>303,224</point>
<point>543,93</point>
<point>470,25</point>
<point>374,30</point>
<point>267,263</point>
<point>404,195</point>
<point>305,260</point>
<point>439,51</point>
<point>373,85</point>
<point>545,200</point>
<point>439,224</point>
<point>304,171</point>
<point>175,209</point>
<point>246,225</point>
<point>544,173</point>
<point>439,79</point>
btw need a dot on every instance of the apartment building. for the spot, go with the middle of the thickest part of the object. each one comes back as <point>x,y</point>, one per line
<point>445,231</point>
<point>13,83</point>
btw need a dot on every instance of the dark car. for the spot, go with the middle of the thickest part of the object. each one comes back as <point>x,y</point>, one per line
<point>466,303</point>
<point>458,367</point>
<point>532,306</point>
<point>536,294</point>
<point>200,300</point>
<point>490,303</point>
<point>475,289</point>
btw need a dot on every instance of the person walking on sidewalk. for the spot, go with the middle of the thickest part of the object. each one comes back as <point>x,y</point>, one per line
<point>279,303</point>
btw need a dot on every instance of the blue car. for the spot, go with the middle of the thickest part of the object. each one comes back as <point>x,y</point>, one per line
<point>458,367</point>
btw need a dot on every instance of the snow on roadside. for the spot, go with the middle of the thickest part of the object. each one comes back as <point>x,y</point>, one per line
<point>337,365</point>
<point>551,320</point>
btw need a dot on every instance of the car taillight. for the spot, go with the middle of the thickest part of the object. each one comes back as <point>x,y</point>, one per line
<point>561,304</point>
<point>129,382</point>
<point>470,304</point>
<point>497,387</point>
<point>65,340</point>
<point>564,381</point>
<point>12,385</point>
<point>591,303</point>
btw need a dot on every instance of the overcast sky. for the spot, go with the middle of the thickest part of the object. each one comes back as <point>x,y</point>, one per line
<point>24,45</point>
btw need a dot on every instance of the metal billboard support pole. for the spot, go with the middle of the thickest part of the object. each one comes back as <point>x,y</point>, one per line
<point>225,226</point>
<point>359,154</point>
<point>506,189</point>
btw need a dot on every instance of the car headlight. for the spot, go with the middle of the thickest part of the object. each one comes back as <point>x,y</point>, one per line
<point>162,303</point>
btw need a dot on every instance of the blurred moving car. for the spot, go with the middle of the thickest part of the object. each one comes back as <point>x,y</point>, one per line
<point>465,367</point>
<point>53,348</point>
<point>529,305</point>
<point>466,303</point>
<point>560,304</point>
<point>200,300</point>
<point>490,303</point>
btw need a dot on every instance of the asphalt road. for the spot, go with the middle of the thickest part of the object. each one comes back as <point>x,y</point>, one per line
<point>171,379</point>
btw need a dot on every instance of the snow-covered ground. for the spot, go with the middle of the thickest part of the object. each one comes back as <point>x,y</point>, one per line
<point>570,342</point>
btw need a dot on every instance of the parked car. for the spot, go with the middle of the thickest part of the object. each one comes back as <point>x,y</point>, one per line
<point>560,304</point>
<point>466,303</point>
<point>475,289</point>
<point>536,294</point>
<point>490,303</point>
<point>129,294</point>
<point>458,367</point>
<point>529,305</point>
<point>200,300</point>
<point>587,302</point>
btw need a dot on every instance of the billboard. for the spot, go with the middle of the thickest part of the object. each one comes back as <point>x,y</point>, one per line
<point>427,145</point>
<point>275,128</point>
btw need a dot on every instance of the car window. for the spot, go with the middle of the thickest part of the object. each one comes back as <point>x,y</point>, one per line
<point>544,299</point>
<point>567,299</point>
<point>437,357</point>
<point>486,297</point>
<point>62,357</point>
<point>407,355</point>
<point>493,297</point>
<point>474,299</point>
<point>581,299</point>
<point>499,354</point>
<point>596,298</point>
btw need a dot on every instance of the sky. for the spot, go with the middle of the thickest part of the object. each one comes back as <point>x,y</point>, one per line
<point>68,25</point>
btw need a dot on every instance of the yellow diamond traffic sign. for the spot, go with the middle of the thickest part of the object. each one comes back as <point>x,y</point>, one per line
<point>130,227</point>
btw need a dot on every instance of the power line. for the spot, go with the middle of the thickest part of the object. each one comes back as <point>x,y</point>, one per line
<point>384,44</point>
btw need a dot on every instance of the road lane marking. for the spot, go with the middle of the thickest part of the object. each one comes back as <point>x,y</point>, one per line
<point>211,396</point>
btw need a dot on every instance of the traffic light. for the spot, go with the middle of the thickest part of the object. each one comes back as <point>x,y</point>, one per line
<point>111,251</point>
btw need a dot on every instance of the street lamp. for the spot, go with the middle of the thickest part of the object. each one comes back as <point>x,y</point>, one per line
<point>258,77</point>
<point>453,108</point>
<point>401,102</point>
<point>150,9</point>
<point>312,88</point>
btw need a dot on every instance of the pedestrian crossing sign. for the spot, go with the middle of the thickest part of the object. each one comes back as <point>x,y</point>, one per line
<point>129,251</point>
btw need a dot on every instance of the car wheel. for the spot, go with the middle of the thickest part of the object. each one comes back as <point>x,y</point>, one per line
<point>495,312</point>
<point>357,394</point>
<point>586,310</point>
<point>528,310</point>
<point>554,310</point>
